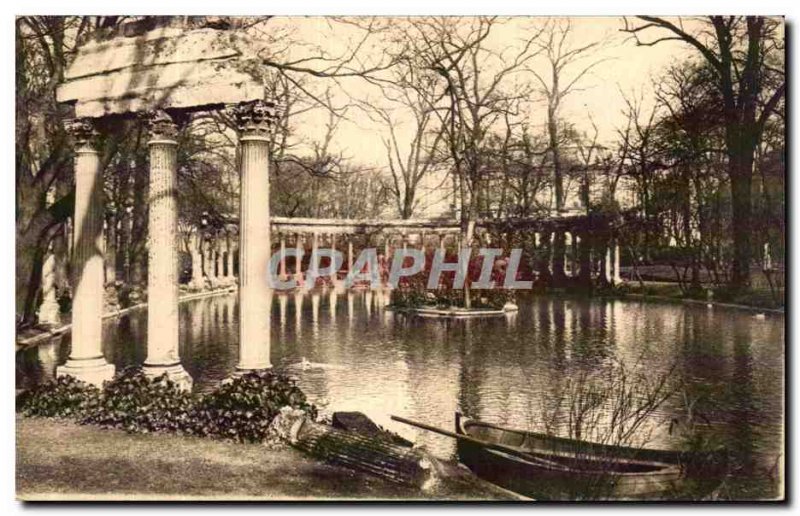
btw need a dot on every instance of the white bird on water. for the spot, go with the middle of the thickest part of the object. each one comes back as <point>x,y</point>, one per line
<point>760,316</point>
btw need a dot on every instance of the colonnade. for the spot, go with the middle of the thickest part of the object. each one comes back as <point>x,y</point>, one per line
<point>86,360</point>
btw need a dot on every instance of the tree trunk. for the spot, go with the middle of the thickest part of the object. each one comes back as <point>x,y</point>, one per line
<point>741,176</point>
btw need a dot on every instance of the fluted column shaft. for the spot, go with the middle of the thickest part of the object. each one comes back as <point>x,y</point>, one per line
<point>197,261</point>
<point>49,311</point>
<point>229,257</point>
<point>299,255</point>
<point>255,295</point>
<point>162,254</point>
<point>86,361</point>
<point>349,255</point>
<point>314,247</point>
<point>283,256</point>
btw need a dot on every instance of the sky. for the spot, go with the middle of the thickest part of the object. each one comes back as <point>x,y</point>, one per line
<point>625,68</point>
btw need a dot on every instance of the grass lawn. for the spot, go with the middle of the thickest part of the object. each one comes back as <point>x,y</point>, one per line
<point>754,298</point>
<point>60,460</point>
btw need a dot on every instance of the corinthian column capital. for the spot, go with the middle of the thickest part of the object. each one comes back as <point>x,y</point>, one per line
<point>82,131</point>
<point>255,118</point>
<point>161,125</point>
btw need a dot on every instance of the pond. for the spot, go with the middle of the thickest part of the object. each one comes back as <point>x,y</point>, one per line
<point>723,366</point>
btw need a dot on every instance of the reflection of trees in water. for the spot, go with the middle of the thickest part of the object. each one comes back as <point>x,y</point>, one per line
<point>743,409</point>
<point>730,362</point>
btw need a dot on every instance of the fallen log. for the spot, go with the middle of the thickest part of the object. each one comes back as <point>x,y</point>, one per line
<point>374,455</point>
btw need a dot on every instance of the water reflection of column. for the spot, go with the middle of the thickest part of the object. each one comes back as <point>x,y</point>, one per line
<point>47,353</point>
<point>332,304</point>
<point>196,331</point>
<point>368,302</point>
<point>86,361</point>
<point>298,310</point>
<point>350,302</point>
<point>283,302</point>
<point>315,307</point>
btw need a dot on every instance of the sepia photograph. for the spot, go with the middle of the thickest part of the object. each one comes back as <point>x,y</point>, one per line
<point>343,258</point>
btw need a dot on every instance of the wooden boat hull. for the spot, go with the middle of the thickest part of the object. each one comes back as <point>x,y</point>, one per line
<point>549,468</point>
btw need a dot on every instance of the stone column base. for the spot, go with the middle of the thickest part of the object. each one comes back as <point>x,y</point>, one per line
<point>241,370</point>
<point>93,371</point>
<point>175,372</point>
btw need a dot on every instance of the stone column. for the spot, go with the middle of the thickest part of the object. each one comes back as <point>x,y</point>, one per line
<point>48,310</point>
<point>298,258</point>
<point>335,275</point>
<point>255,295</point>
<point>314,247</point>
<point>386,247</point>
<point>110,252</point>
<point>195,244</point>
<point>231,277</point>
<point>86,361</point>
<point>617,277</point>
<point>442,236</point>
<point>162,264</point>
<point>283,257</point>
<point>349,254</point>
<point>210,263</point>
<point>607,264</point>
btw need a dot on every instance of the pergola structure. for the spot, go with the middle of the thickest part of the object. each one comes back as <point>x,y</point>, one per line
<point>394,233</point>
<point>165,69</point>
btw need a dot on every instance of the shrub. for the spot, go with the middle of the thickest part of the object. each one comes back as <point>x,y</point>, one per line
<point>243,408</point>
<point>139,404</point>
<point>63,397</point>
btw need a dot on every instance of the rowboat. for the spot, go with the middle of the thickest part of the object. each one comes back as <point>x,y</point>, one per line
<point>544,467</point>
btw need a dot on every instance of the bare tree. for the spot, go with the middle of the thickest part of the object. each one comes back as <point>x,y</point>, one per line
<point>413,96</point>
<point>479,90</point>
<point>567,66</point>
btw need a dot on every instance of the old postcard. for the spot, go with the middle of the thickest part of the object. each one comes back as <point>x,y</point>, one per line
<point>400,258</point>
